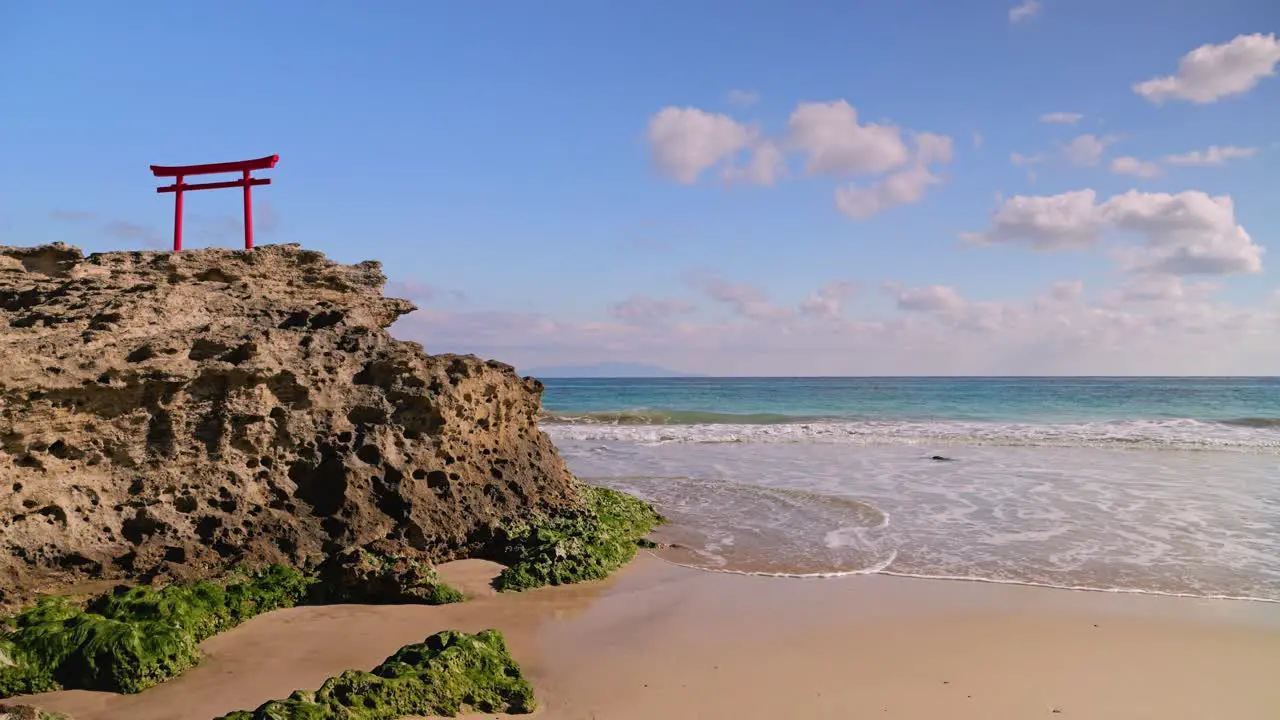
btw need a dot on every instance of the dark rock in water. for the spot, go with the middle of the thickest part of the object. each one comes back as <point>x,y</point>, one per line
<point>941,458</point>
<point>175,415</point>
<point>381,574</point>
<point>448,673</point>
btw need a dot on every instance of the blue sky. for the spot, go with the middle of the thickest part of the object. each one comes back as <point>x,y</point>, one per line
<point>502,162</point>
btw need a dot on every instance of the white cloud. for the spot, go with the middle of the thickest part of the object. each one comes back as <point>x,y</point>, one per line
<point>1162,288</point>
<point>927,298</point>
<point>1024,11</point>
<point>1212,72</point>
<point>903,187</point>
<point>1189,233</point>
<point>1066,291</point>
<point>1127,165</point>
<point>900,188</point>
<point>835,143</point>
<point>412,290</point>
<point>643,308</point>
<point>743,299</point>
<point>828,300</point>
<point>1061,118</point>
<point>1215,155</point>
<point>752,303</point>
<point>687,141</point>
<point>1029,162</point>
<point>767,165</point>
<point>1056,331</point>
<point>742,98</point>
<point>1086,150</point>
<point>1056,222</point>
<point>933,149</point>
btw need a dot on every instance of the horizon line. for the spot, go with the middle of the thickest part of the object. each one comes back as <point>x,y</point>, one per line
<point>693,376</point>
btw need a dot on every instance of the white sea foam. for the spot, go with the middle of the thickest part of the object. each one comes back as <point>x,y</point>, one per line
<point>1172,434</point>
<point>870,570</point>
<point>1203,524</point>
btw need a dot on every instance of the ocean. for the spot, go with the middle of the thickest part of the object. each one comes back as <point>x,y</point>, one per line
<point>1155,485</point>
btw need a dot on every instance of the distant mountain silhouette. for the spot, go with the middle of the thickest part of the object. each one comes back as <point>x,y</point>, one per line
<point>606,370</point>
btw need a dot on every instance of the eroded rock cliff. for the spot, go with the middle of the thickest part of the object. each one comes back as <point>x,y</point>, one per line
<point>177,414</point>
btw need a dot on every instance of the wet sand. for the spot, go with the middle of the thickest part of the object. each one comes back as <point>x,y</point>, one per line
<point>659,641</point>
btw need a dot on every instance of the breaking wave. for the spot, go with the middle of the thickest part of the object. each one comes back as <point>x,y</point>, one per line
<point>1253,435</point>
<point>653,416</point>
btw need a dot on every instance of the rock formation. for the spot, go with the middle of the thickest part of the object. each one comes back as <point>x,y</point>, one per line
<point>171,414</point>
<point>27,712</point>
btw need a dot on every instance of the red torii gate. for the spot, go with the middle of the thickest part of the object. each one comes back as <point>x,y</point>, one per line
<point>178,172</point>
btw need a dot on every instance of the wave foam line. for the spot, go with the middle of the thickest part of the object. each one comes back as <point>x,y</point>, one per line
<point>1158,435</point>
<point>873,570</point>
<point>665,417</point>
<point>882,569</point>
<point>1085,588</point>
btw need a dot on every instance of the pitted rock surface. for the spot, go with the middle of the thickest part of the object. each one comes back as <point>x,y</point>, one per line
<point>22,712</point>
<point>175,414</point>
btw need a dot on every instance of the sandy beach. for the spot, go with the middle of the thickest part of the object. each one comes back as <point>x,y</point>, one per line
<point>659,640</point>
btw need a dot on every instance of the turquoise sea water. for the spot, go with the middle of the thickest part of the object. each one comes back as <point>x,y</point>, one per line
<point>1248,401</point>
<point>1162,485</point>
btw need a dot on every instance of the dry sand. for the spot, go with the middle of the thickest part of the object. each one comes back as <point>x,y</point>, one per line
<point>659,641</point>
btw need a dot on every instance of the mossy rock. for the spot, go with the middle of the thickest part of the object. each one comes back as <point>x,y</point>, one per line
<point>274,587</point>
<point>448,673</point>
<point>584,544</point>
<point>133,637</point>
<point>199,608</point>
<point>89,651</point>
<point>379,575</point>
<point>26,680</point>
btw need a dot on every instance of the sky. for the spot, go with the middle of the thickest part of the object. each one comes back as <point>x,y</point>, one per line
<point>862,187</point>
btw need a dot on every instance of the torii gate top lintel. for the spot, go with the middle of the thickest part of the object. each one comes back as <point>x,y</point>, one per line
<point>262,163</point>
<point>178,172</point>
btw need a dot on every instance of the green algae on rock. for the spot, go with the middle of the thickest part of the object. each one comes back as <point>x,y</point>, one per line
<point>586,544</point>
<point>22,679</point>
<point>448,673</point>
<point>206,608</point>
<point>133,637</point>
<point>378,574</point>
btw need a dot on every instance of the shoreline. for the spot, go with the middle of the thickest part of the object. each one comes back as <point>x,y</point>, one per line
<point>659,640</point>
<point>882,571</point>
